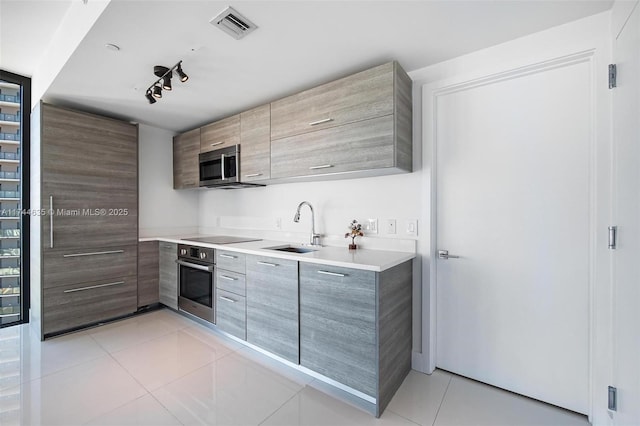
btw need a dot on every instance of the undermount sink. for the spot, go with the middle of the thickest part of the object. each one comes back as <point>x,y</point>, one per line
<point>292,249</point>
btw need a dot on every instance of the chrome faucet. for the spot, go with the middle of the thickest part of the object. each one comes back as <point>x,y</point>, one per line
<point>315,238</point>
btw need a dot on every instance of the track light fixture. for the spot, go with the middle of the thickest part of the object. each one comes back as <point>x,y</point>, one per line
<point>164,75</point>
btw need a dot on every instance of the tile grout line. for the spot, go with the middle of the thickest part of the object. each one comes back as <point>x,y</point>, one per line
<point>444,395</point>
<point>283,404</point>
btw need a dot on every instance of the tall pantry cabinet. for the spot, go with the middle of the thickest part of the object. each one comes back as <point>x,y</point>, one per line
<point>84,260</point>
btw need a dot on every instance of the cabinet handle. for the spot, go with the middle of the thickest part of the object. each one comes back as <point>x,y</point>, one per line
<point>324,120</point>
<point>333,274</point>
<point>266,263</point>
<point>324,166</point>
<point>228,256</point>
<point>253,175</point>
<point>217,143</point>
<point>73,290</point>
<point>50,221</point>
<point>93,253</point>
<point>228,299</point>
<point>225,277</point>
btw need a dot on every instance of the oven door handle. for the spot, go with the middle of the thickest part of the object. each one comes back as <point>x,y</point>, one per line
<point>195,266</point>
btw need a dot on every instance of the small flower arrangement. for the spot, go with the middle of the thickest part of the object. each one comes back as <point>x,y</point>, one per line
<point>355,230</point>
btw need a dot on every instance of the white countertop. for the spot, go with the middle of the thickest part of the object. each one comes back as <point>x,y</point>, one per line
<point>366,259</point>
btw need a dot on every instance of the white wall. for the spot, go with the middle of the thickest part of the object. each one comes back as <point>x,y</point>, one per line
<point>162,211</point>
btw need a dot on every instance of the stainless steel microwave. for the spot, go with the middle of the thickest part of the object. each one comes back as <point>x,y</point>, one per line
<point>221,169</point>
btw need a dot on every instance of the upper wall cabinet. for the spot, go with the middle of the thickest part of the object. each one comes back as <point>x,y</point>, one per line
<point>360,123</point>
<point>255,144</point>
<point>220,134</point>
<point>186,148</point>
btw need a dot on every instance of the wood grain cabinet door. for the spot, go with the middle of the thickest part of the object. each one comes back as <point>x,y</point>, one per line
<point>220,134</point>
<point>168,275</point>
<point>360,96</point>
<point>89,180</point>
<point>272,305</point>
<point>148,273</point>
<point>365,145</point>
<point>186,165</point>
<point>338,325</point>
<point>255,144</point>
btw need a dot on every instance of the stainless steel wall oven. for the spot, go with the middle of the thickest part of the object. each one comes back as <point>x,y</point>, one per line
<point>196,281</point>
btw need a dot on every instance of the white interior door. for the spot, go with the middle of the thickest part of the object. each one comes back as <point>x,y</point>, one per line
<point>626,258</point>
<point>514,202</point>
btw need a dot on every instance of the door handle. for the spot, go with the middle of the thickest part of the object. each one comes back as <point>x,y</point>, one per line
<point>444,254</point>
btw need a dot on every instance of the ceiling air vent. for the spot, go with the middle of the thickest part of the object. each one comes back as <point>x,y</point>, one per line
<point>233,23</point>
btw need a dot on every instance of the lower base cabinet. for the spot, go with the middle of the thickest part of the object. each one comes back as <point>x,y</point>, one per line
<point>148,273</point>
<point>76,305</point>
<point>355,327</point>
<point>168,279</point>
<point>272,305</point>
<point>231,313</point>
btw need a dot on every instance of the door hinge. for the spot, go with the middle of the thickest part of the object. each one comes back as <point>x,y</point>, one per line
<point>613,237</point>
<point>613,399</point>
<point>613,75</point>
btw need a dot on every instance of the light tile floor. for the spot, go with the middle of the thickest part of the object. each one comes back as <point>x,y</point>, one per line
<point>161,368</point>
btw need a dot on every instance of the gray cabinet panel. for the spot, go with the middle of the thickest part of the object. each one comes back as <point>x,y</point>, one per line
<point>364,145</point>
<point>231,313</point>
<point>272,305</point>
<point>255,144</point>
<point>89,178</point>
<point>338,325</point>
<point>395,288</point>
<point>148,273</point>
<point>186,166</point>
<point>230,261</point>
<point>63,266</point>
<point>221,134</point>
<point>360,96</point>
<point>80,304</point>
<point>169,275</point>
<point>230,281</point>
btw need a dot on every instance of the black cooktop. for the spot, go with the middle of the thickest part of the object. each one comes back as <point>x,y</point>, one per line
<point>222,239</point>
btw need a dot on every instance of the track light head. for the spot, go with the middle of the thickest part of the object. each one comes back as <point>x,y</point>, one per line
<point>166,81</point>
<point>157,91</point>
<point>150,97</point>
<point>181,74</point>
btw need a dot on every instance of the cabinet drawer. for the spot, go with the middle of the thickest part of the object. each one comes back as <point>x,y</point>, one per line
<point>85,303</point>
<point>231,261</point>
<point>220,134</point>
<point>63,266</point>
<point>361,96</point>
<point>231,313</point>
<point>231,281</point>
<point>364,145</point>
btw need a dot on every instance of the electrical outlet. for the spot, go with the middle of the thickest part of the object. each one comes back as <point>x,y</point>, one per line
<point>371,226</point>
<point>391,226</point>
<point>412,227</point>
<point>279,223</point>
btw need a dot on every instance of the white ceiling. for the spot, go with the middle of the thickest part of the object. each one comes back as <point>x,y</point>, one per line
<point>298,44</point>
<point>26,27</point>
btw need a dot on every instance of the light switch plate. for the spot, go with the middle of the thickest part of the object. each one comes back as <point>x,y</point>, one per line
<point>391,226</point>
<point>371,226</point>
<point>412,227</point>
